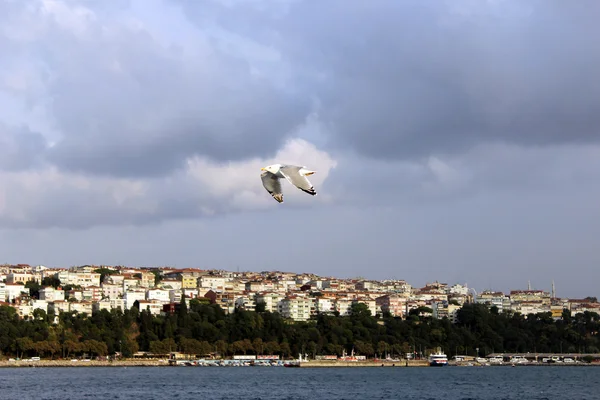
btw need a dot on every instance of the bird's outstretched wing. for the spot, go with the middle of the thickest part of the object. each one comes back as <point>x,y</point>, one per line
<point>273,185</point>
<point>293,175</point>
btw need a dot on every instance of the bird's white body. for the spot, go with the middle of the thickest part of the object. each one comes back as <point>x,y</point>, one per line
<point>293,174</point>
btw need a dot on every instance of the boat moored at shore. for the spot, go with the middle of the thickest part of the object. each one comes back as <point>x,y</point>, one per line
<point>438,359</point>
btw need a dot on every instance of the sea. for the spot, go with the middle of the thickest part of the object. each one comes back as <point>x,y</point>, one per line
<point>248,383</point>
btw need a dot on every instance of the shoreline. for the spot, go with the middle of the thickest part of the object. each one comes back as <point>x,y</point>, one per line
<point>83,364</point>
<point>308,364</point>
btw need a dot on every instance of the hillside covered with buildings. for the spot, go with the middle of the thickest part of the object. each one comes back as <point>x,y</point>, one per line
<point>101,310</point>
<point>295,296</point>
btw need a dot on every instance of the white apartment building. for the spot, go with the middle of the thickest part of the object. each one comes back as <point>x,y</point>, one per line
<point>171,284</point>
<point>175,295</point>
<point>83,279</point>
<point>58,306</point>
<point>154,306</point>
<point>130,282</point>
<point>430,296</point>
<point>48,293</point>
<point>161,295</point>
<point>111,290</point>
<point>115,279</point>
<point>458,289</point>
<point>109,304</point>
<point>325,305</point>
<point>245,303</point>
<point>132,295</point>
<point>271,300</point>
<point>38,268</point>
<point>295,307</point>
<point>212,282</point>
<point>531,307</point>
<point>285,285</point>
<point>81,307</point>
<point>343,306</point>
<point>39,304</point>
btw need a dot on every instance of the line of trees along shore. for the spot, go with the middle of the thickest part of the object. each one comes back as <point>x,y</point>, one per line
<point>200,328</point>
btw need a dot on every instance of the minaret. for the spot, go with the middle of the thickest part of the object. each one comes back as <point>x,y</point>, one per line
<point>553,290</point>
<point>528,285</point>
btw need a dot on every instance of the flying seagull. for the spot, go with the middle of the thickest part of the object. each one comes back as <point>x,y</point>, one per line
<point>294,174</point>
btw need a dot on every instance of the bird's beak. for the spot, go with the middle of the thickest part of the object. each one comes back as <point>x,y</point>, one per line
<point>262,169</point>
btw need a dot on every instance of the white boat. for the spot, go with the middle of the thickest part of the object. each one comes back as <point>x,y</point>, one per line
<point>518,360</point>
<point>438,359</point>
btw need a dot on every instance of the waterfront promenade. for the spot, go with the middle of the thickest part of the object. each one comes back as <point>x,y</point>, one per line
<point>81,363</point>
<point>165,363</point>
<point>308,364</point>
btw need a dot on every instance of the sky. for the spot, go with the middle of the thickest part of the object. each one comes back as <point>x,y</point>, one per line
<point>454,140</point>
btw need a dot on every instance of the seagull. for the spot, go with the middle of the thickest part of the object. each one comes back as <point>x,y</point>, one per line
<point>294,174</point>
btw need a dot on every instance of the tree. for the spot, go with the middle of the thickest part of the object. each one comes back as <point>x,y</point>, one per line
<point>359,310</point>
<point>260,307</point>
<point>271,347</point>
<point>284,349</point>
<point>157,276</point>
<point>51,281</point>
<point>221,347</point>
<point>258,346</point>
<point>34,289</point>
<point>382,348</point>
<point>24,345</point>
<point>104,272</point>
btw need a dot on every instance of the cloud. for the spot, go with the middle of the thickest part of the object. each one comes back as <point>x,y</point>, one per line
<point>125,102</point>
<point>399,80</point>
<point>130,113</point>
<point>484,170</point>
<point>49,197</point>
<point>19,147</point>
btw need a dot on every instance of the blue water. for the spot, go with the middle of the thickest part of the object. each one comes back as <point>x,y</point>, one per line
<point>300,383</point>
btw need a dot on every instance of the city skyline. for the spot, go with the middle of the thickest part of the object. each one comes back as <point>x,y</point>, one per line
<point>551,288</point>
<point>458,142</point>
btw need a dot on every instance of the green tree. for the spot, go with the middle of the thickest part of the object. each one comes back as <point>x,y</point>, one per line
<point>260,307</point>
<point>52,281</point>
<point>34,289</point>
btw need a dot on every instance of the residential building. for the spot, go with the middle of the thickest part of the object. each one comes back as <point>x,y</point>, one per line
<point>50,294</point>
<point>271,300</point>
<point>392,303</point>
<point>295,307</point>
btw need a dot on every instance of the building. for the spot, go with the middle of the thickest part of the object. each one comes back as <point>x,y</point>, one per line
<point>50,294</point>
<point>271,300</point>
<point>24,277</point>
<point>443,309</point>
<point>296,308</point>
<point>393,304</point>
<point>491,299</point>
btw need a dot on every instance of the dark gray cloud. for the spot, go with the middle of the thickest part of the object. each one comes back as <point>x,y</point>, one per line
<point>127,105</point>
<point>20,148</point>
<point>411,78</point>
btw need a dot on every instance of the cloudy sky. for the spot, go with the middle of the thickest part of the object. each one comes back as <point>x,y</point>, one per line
<point>454,140</point>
